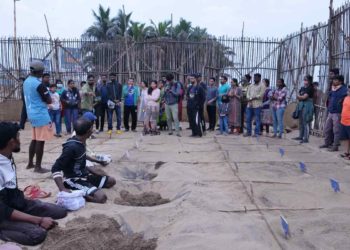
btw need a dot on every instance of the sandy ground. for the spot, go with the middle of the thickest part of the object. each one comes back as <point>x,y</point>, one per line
<point>224,192</point>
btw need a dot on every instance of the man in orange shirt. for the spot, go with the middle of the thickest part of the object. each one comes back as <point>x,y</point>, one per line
<point>345,124</point>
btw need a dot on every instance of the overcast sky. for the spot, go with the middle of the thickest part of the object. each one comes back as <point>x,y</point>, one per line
<point>262,18</point>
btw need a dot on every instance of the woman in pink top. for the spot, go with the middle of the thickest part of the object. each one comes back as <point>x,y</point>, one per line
<point>152,109</point>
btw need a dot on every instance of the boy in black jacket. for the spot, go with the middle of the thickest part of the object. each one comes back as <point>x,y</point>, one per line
<point>72,162</point>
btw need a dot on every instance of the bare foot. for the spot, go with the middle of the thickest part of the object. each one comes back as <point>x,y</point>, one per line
<point>41,170</point>
<point>29,166</point>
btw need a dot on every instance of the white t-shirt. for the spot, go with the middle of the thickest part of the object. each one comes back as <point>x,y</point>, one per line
<point>7,173</point>
<point>55,105</point>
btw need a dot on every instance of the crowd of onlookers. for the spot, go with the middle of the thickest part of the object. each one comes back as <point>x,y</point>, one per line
<point>158,105</point>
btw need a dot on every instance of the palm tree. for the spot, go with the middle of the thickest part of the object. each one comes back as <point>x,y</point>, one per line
<point>162,29</point>
<point>198,34</point>
<point>139,31</point>
<point>121,24</point>
<point>183,29</point>
<point>102,24</point>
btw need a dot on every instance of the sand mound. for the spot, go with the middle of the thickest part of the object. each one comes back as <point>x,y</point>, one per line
<point>146,199</point>
<point>97,232</point>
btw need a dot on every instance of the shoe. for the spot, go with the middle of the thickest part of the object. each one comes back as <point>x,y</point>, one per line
<point>126,130</point>
<point>220,133</point>
<point>324,146</point>
<point>297,138</point>
<point>188,128</point>
<point>255,135</point>
<point>304,141</point>
<point>280,137</point>
<point>225,134</point>
<point>246,135</point>
<point>119,132</point>
<point>134,130</point>
<point>333,149</point>
<point>109,132</point>
<point>92,137</point>
<point>97,132</point>
<point>178,135</point>
<point>274,136</point>
<point>170,133</point>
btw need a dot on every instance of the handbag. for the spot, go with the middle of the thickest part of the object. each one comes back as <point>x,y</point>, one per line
<point>295,114</point>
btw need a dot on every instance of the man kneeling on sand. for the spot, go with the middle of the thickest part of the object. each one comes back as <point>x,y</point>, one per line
<point>22,221</point>
<point>72,163</point>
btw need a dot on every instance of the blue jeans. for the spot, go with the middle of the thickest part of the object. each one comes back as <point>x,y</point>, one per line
<point>277,115</point>
<point>303,127</point>
<point>55,116</point>
<point>71,115</point>
<point>118,114</point>
<point>256,112</point>
<point>223,124</point>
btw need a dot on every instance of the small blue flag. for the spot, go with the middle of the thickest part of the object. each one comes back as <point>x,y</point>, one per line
<point>285,227</point>
<point>302,167</point>
<point>281,152</point>
<point>335,185</point>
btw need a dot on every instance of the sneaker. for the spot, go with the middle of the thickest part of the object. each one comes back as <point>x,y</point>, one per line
<point>119,132</point>
<point>178,135</point>
<point>297,138</point>
<point>246,135</point>
<point>109,132</point>
<point>170,133</point>
<point>333,149</point>
<point>324,146</point>
<point>225,134</point>
<point>134,130</point>
<point>304,141</point>
<point>280,137</point>
<point>126,130</point>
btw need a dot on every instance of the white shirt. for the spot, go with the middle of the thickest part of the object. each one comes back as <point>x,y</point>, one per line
<point>55,105</point>
<point>152,100</point>
<point>7,173</point>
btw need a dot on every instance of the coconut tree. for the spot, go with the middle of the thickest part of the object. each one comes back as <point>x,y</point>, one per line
<point>103,22</point>
<point>161,29</point>
<point>183,29</point>
<point>139,31</point>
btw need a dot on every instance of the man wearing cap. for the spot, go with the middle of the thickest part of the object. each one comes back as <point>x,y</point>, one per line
<point>22,220</point>
<point>37,97</point>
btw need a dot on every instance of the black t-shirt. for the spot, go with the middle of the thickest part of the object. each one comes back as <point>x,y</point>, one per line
<point>309,90</point>
<point>72,160</point>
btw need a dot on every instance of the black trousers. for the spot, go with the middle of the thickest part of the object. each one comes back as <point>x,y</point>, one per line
<point>127,111</point>
<point>201,114</point>
<point>23,116</point>
<point>100,112</point>
<point>211,110</point>
<point>26,233</point>
<point>195,121</point>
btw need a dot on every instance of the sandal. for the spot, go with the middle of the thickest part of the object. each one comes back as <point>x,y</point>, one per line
<point>345,155</point>
<point>34,192</point>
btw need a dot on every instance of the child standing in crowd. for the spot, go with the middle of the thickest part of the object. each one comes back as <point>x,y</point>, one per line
<point>223,113</point>
<point>55,109</point>
<point>152,108</point>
